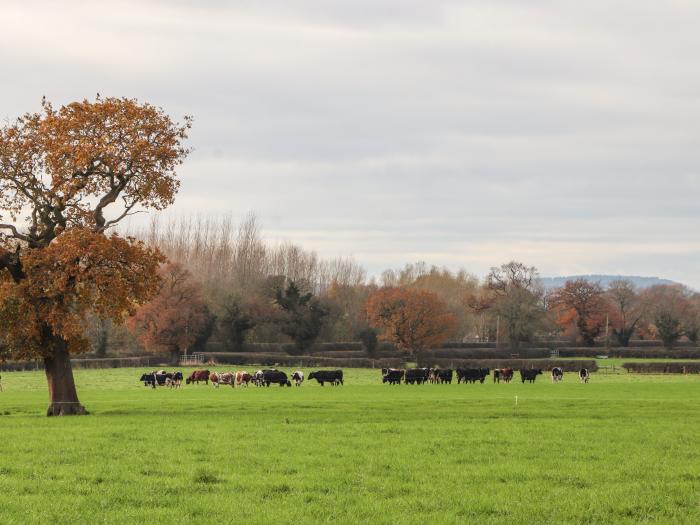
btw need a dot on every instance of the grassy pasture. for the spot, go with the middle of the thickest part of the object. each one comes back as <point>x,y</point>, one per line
<point>623,449</point>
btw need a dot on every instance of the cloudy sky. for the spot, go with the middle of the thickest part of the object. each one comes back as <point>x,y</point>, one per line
<point>561,133</point>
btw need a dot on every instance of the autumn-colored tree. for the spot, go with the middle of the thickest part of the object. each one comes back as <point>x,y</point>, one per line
<point>66,176</point>
<point>518,300</point>
<point>412,319</point>
<point>582,304</point>
<point>177,316</point>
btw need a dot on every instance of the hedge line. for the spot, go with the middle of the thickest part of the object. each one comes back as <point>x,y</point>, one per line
<point>663,368</point>
<point>249,358</point>
<point>630,352</point>
<point>544,364</point>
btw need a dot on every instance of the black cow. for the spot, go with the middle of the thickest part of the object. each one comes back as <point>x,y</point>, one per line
<point>557,374</point>
<point>583,375</point>
<point>149,380</point>
<point>276,377</point>
<point>529,375</point>
<point>444,376</point>
<point>472,375</point>
<point>393,376</point>
<point>416,376</point>
<point>334,377</point>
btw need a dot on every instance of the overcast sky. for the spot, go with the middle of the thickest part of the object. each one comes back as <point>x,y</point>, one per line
<point>465,134</point>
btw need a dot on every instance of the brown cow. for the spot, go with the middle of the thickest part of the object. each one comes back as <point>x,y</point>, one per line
<point>243,378</point>
<point>197,376</point>
<point>222,378</point>
<point>503,374</point>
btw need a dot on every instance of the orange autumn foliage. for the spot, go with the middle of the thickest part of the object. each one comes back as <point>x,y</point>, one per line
<point>67,175</point>
<point>79,272</point>
<point>410,318</point>
<point>580,307</point>
<point>172,321</point>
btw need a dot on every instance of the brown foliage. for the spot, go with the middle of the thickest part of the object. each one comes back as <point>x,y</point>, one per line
<point>66,176</point>
<point>412,319</point>
<point>581,304</point>
<point>79,272</point>
<point>175,318</point>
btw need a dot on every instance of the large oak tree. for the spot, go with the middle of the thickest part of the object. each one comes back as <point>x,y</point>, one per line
<point>67,176</point>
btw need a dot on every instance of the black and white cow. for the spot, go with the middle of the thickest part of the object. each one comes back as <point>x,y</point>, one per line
<point>298,377</point>
<point>583,375</point>
<point>334,377</point>
<point>557,374</point>
<point>529,375</point>
<point>148,379</point>
<point>176,380</point>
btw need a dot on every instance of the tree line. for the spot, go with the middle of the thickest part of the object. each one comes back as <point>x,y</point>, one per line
<point>242,289</point>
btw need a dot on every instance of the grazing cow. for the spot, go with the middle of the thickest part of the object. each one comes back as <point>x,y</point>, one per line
<point>583,375</point>
<point>472,375</point>
<point>444,376</point>
<point>334,377</point>
<point>221,378</point>
<point>393,376</point>
<point>557,374</point>
<point>149,380</point>
<point>197,376</point>
<point>243,378</point>
<point>274,376</point>
<point>176,380</point>
<point>416,376</point>
<point>163,378</point>
<point>529,375</point>
<point>503,374</point>
<point>298,377</point>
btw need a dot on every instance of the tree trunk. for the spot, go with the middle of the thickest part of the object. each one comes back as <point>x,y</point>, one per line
<point>62,394</point>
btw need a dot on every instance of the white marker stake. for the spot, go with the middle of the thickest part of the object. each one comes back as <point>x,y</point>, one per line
<point>516,400</point>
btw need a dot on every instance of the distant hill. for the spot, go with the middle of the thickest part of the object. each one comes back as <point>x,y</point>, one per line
<point>605,280</point>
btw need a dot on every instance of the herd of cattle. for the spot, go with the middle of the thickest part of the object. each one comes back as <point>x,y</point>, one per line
<point>240,378</point>
<point>410,376</point>
<point>393,376</point>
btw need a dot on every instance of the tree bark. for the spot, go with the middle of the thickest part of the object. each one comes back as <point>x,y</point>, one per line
<point>63,398</point>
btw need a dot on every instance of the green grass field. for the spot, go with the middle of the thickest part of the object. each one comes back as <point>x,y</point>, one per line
<point>621,449</point>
